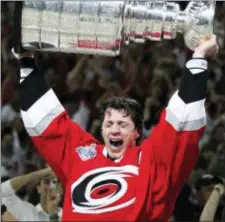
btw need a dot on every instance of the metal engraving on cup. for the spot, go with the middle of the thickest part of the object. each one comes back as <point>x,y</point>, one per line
<point>69,26</point>
<point>170,18</point>
<point>156,20</point>
<point>99,27</point>
<point>31,23</point>
<point>138,22</point>
<point>127,23</point>
<point>199,21</point>
<point>103,27</point>
<point>49,23</point>
<point>87,24</point>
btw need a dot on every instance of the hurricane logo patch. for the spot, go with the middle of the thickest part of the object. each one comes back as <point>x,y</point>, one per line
<point>104,189</point>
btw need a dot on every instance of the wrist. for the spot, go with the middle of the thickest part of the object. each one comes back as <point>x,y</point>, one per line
<point>41,173</point>
<point>219,188</point>
<point>198,54</point>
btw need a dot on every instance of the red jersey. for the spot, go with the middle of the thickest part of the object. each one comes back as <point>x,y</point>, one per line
<point>142,186</point>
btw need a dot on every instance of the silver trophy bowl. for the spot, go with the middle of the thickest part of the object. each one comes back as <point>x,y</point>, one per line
<point>104,27</point>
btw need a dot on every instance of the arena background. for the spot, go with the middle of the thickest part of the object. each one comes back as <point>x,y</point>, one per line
<point>149,73</point>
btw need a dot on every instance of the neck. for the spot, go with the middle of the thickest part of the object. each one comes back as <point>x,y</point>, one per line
<point>111,158</point>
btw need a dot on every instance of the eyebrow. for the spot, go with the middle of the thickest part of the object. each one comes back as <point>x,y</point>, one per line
<point>119,122</point>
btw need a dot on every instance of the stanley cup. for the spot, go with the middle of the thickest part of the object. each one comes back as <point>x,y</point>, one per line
<point>104,27</point>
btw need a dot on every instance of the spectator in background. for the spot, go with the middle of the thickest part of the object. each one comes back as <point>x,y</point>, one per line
<point>204,188</point>
<point>12,159</point>
<point>9,80</point>
<point>49,196</point>
<point>185,208</point>
<point>11,110</point>
<point>5,215</point>
<point>210,208</point>
<point>217,163</point>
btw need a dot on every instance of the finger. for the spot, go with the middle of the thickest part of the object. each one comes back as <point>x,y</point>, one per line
<point>204,39</point>
<point>213,39</point>
<point>45,196</point>
<point>48,195</point>
<point>58,198</point>
<point>208,37</point>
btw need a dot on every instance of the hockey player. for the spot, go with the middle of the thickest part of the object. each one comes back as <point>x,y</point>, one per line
<point>119,180</point>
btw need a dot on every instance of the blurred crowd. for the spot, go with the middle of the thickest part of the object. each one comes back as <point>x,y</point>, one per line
<point>148,72</point>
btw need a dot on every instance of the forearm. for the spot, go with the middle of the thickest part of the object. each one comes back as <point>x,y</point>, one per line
<point>18,182</point>
<point>38,102</point>
<point>99,72</point>
<point>47,122</point>
<point>75,72</point>
<point>194,81</point>
<point>32,83</point>
<point>8,217</point>
<point>210,208</point>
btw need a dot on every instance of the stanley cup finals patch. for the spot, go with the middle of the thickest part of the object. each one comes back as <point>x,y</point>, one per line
<point>87,152</point>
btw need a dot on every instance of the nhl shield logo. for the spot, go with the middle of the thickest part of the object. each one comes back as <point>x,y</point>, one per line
<point>87,152</point>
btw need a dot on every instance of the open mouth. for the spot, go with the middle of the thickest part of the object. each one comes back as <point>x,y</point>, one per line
<point>116,144</point>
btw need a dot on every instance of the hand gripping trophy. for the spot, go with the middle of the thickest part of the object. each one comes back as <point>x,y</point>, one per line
<point>104,27</point>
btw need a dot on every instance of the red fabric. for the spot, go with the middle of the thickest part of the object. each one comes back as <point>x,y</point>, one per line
<point>167,159</point>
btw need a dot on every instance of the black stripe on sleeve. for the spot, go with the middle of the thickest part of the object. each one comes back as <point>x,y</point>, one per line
<point>33,86</point>
<point>193,86</point>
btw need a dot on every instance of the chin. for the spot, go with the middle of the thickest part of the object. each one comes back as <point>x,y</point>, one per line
<point>115,155</point>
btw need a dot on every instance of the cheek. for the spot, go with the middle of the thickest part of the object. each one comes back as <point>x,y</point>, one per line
<point>127,135</point>
<point>104,132</point>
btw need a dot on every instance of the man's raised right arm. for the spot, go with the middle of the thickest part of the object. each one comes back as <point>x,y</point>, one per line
<point>54,134</point>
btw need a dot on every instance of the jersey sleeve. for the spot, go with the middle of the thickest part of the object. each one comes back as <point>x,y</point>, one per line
<point>53,133</point>
<point>173,144</point>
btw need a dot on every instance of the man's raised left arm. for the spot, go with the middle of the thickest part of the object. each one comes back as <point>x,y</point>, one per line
<point>174,143</point>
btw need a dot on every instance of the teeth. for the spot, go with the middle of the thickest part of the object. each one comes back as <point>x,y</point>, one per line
<point>115,147</point>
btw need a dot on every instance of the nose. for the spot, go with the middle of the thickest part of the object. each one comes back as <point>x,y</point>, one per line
<point>115,129</point>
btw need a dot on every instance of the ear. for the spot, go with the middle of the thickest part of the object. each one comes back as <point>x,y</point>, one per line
<point>136,135</point>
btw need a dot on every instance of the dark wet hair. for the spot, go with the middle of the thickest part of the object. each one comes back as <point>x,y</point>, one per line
<point>130,106</point>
